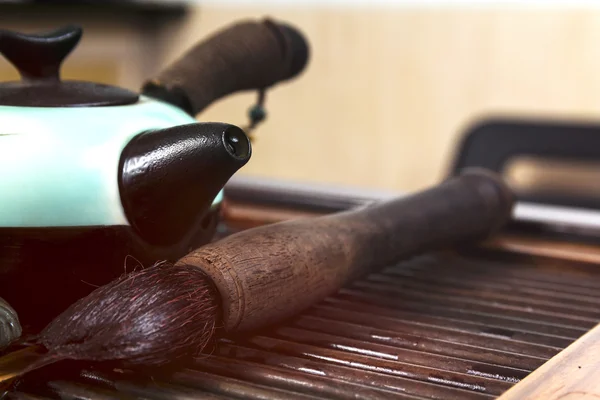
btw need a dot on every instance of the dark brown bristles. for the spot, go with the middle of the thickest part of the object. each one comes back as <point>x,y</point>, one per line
<point>151,317</point>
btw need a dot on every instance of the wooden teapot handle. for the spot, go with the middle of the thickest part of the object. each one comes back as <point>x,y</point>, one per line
<point>272,272</point>
<point>247,55</point>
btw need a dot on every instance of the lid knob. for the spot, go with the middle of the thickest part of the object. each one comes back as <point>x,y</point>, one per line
<point>39,56</point>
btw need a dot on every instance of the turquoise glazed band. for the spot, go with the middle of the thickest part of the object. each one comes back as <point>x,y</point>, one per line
<point>59,166</point>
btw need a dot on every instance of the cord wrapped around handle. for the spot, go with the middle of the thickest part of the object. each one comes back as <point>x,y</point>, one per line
<point>273,272</point>
<point>247,55</point>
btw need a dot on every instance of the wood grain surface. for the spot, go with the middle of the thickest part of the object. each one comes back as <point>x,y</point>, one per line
<point>269,273</point>
<point>573,374</point>
<point>545,247</point>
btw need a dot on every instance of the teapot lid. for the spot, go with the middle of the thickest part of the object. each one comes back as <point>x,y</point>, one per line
<point>38,59</point>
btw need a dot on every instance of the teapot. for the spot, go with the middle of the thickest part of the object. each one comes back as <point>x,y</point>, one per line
<point>97,179</point>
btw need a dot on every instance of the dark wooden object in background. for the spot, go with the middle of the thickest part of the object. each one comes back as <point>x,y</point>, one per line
<point>142,12</point>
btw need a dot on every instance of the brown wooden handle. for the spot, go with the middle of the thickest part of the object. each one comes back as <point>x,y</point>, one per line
<point>269,273</point>
<point>247,55</point>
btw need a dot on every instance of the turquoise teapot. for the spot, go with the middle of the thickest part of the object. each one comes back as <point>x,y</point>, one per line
<point>96,180</point>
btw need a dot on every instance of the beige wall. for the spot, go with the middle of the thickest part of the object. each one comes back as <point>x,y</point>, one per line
<point>388,91</point>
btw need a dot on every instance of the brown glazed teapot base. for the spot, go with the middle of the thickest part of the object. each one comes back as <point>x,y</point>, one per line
<point>44,270</point>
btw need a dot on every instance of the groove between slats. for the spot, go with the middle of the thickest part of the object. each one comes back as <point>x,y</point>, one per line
<point>499,287</point>
<point>533,273</point>
<point>478,305</point>
<point>489,295</point>
<point>306,377</point>
<point>324,379</point>
<point>446,333</point>
<point>294,335</point>
<point>438,315</point>
<point>412,341</point>
<point>442,309</point>
<point>259,347</point>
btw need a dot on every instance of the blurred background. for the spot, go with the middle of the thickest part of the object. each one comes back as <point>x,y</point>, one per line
<point>391,85</point>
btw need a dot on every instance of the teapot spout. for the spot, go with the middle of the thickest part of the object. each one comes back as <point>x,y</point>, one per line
<point>168,178</point>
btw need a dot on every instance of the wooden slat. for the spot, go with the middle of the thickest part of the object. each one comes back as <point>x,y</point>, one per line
<point>572,374</point>
<point>244,216</point>
<point>558,249</point>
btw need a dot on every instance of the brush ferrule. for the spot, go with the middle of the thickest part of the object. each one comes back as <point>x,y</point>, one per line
<point>225,279</point>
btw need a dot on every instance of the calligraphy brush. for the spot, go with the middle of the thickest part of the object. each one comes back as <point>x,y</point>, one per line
<point>261,276</point>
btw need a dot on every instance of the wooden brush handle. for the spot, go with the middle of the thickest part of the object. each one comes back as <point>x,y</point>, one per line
<point>247,55</point>
<point>272,272</point>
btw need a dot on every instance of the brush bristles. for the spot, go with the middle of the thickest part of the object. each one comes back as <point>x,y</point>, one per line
<point>149,317</point>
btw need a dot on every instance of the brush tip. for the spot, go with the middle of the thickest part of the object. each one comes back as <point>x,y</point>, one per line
<point>149,317</point>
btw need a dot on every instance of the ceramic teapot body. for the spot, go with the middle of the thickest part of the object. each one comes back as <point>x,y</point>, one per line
<point>96,179</point>
<point>61,166</point>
